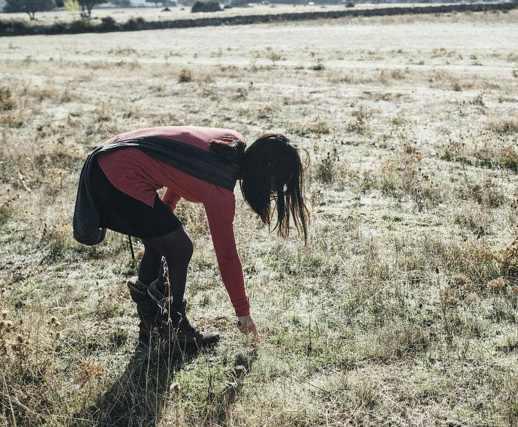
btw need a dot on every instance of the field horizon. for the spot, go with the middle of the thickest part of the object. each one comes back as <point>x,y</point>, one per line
<point>145,19</point>
<point>400,310</point>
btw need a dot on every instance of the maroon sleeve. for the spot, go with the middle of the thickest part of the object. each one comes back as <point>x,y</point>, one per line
<point>220,214</point>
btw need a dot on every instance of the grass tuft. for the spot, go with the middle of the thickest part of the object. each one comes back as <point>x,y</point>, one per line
<point>504,125</point>
<point>360,121</point>
<point>185,76</point>
<point>6,99</point>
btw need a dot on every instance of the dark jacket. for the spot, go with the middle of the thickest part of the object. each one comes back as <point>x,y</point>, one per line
<point>219,166</point>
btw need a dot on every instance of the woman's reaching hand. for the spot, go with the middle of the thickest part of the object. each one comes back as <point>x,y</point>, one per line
<point>247,326</point>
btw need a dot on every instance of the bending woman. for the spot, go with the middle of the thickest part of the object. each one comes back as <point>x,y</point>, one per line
<point>118,190</point>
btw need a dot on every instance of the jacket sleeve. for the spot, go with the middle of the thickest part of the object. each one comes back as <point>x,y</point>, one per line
<point>220,211</point>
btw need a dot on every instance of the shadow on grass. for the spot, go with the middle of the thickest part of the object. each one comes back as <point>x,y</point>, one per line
<point>138,396</point>
<point>223,402</point>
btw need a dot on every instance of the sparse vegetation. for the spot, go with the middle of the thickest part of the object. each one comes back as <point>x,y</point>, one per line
<point>318,66</point>
<point>505,125</point>
<point>5,211</point>
<point>401,310</point>
<point>483,150</point>
<point>310,127</point>
<point>185,76</point>
<point>326,168</point>
<point>6,99</point>
<point>359,122</point>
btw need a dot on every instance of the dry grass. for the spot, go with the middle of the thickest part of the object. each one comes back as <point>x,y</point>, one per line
<point>401,310</point>
<point>493,149</point>
<point>185,76</point>
<point>506,125</point>
<point>6,99</point>
<point>360,121</point>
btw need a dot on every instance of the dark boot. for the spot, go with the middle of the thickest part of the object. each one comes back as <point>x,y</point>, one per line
<point>174,323</point>
<point>148,313</point>
<point>180,329</point>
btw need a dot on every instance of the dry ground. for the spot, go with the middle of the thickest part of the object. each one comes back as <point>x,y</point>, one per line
<point>402,309</point>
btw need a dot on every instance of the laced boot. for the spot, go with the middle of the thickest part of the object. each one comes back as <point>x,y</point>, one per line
<point>148,313</point>
<point>185,333</point>
<point>175,325</point>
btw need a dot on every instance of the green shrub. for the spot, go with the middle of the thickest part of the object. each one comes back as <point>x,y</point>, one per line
<point>108,23</point>
<point>206,6</point>
<point>134,24</point>
<point>14,27</point>
<point>80,26</point>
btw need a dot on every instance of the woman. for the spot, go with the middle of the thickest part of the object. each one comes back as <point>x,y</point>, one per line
<point>118,190</point>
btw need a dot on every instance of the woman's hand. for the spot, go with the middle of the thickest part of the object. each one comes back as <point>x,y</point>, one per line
<point>247,326</point>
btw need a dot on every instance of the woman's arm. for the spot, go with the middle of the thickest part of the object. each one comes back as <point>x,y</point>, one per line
<point>220,214</point>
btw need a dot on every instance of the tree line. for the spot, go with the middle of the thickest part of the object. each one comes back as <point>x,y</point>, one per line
<point>31,7</point>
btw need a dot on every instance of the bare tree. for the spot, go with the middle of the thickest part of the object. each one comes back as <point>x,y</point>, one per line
<point>88,5</point>
<point>30,7</point>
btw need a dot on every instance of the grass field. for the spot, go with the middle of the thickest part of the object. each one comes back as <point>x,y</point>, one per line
<point>402,309</point>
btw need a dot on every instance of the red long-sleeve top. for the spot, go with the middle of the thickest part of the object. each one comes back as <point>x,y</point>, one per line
<point>139,175</point>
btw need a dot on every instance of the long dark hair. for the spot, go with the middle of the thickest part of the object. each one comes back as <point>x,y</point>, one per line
<point>272,171</point>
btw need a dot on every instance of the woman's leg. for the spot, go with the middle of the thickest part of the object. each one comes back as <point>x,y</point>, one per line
<point>149,267</point>
<point>177,249</point>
